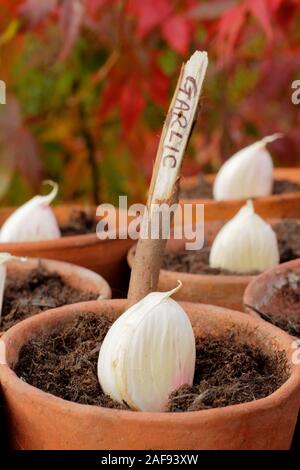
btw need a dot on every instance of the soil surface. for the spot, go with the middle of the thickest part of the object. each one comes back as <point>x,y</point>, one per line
<point>283,309</point>
<point>204,189</point>
<point>39,291</point>
<point>80,223</point>
<point>228,371</point>
<point>197,262</point>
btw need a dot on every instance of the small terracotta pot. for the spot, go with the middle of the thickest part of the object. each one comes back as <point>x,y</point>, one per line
<point>277,206</point>
<point>38,420</point>
<point>263,287</point>
<point>106,257</point>
<point>221,290</point>
<point>259,293</point>
<point>76,276</point>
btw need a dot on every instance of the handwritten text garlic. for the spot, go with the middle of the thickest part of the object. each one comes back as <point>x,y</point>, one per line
<point>33,221</point>
<point>148,352</point>
<point>244,244</point>
<point>248,173</point>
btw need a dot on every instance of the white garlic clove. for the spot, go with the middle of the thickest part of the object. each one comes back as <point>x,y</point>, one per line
<point>148,352</point>
<point>33,221</point>
<point>248,173</point>
<point>245,244</point>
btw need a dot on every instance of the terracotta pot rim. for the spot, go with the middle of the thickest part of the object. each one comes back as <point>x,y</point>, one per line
<point>65,267</point>
<point>61,242</point>
<point>265,199</point>
<point>222,278</point>
<point>281,268</point>
<point>275,399</point>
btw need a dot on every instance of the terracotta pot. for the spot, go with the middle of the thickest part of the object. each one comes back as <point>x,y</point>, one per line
<point>106,257</point>
<point>38,420</point>
<point>263,287</point>
<point>278,206</point>
<point>76,276</point>
<point>259,293</point>
<point>225,291</point>
<point>221,290</point>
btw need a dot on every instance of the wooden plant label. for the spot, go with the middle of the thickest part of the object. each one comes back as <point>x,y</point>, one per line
<point>177,127</point>
<point>164,183</point>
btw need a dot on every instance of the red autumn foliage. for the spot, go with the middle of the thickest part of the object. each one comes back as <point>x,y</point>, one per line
<point>116,62</point>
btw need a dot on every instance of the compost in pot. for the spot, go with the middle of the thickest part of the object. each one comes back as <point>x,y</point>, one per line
<point>283,308</point>
<point>204,189</point>
<point>39,290</point>
<point>228,370</point>
<point>197,262</point>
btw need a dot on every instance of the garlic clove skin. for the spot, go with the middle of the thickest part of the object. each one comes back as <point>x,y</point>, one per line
<point>148,352</point>
<point>247,174</point>
<point>245,244</point>
<point>33,221</point>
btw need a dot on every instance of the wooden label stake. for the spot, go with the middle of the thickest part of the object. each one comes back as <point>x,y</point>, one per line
<point>163,190</point>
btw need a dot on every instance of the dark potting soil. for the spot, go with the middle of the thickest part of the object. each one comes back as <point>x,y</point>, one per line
<point>38,291</point>
<point>204,189</point>
<point>228,371</point>
<point>80,223</point>
<point>283,309</point>
<point>197,262</point>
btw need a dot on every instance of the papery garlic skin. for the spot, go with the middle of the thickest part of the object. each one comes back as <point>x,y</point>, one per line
<point>248,173</point>
<point>33,221</point>
<point>245,244</point>
<point>148,352</point>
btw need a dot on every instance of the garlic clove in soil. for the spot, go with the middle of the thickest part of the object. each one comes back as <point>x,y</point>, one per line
<point>248,173</point>
<point>33,221</point>
<point>148,352</point>
<point>245,244</point>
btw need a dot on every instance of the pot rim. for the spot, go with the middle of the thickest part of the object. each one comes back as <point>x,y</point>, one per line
<point>288,388</point>
<point>267,277</point>
<point>64,268</point>
<point>222,278</point>
<point>65,242</point>
<point>188,277</point>
<point>283,172</point>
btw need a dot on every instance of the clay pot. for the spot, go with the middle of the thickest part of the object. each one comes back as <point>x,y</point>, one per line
<point>260,291</point>
<point>278,206</point>
<point>259,294</point>
<point>222,290</point>
<point>106,257</point>
<point>76,276</point>
<point>225,291</point>
<point>38,420</point>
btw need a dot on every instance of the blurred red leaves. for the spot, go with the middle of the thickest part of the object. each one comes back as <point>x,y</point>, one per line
<point>138,47</point>
<point>17,141</point>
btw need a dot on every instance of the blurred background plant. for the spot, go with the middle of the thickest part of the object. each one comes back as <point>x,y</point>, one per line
<point>89,81</point>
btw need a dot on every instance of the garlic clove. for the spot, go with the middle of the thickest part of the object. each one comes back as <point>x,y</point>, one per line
<point>248,173</point>
<point>148,352</point>
<point>33,221</point>
<point>245,244</point>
